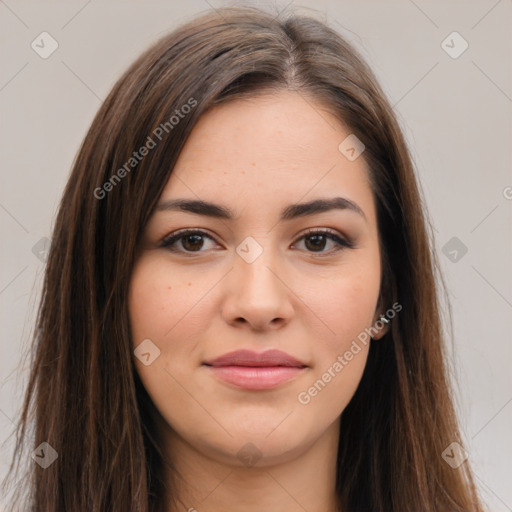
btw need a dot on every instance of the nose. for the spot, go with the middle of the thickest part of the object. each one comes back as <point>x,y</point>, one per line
<point>257,295</point>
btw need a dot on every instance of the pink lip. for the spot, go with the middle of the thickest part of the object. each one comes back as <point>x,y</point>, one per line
<point>256,371</point>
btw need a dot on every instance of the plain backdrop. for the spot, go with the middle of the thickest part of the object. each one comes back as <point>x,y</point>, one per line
<point>454,109</point>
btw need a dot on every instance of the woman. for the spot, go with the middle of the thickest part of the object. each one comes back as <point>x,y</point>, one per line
<point>240,308</point>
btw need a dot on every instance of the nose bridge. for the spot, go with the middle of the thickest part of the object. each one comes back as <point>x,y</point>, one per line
<point>254,261</point>
<point>256,293</point>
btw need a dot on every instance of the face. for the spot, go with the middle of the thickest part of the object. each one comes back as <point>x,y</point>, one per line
<point>248,317</point>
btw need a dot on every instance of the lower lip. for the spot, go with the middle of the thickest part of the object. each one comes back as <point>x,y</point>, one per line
<point>256,377</point>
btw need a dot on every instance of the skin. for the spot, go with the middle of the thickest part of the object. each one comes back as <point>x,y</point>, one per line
<point>256,156</point>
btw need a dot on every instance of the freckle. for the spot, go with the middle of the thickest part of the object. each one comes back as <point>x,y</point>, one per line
<point>190,284</point>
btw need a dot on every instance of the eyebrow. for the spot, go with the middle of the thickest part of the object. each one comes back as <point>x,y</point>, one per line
<point>290,212</point>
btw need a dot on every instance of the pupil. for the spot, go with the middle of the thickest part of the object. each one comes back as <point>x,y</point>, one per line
<point>198,240</point>
<point>313,242</point>
<point>319,243</point>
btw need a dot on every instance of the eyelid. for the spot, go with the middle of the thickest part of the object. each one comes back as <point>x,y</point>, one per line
<point>342,241</point>
<point>176,235</point>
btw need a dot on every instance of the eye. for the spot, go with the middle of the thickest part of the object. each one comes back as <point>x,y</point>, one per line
<point>315,241</point>
<point>193,241</point>
<point>189,241</point>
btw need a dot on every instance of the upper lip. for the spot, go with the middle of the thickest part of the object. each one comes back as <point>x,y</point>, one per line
<point>250,358</point>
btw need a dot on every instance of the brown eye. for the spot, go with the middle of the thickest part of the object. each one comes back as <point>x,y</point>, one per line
<point>316,242</point>
<point>187,241</point>
<point>192,242</point>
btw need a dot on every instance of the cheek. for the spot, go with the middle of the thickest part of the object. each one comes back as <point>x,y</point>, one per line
<point>332,386</point>
<point>158,300</point>
<point>173,310</point>
<point>148,310</point>
<point>347,307</point>
<point>346,304</point>
<point>161,308</point>
<point>347,301</point>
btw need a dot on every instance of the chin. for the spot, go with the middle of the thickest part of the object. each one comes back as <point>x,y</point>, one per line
<point>260,447</point>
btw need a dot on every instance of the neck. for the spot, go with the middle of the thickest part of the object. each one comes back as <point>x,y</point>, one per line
<point>200,483</point>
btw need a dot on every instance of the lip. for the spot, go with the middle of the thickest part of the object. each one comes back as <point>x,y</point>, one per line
<point>256,371</point>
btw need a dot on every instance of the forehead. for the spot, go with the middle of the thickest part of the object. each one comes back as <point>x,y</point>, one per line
<point>268,151</point>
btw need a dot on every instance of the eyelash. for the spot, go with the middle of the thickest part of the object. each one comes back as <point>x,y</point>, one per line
<point>169,241</point>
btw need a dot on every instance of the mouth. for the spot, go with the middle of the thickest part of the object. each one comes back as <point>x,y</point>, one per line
<point>256,371</point>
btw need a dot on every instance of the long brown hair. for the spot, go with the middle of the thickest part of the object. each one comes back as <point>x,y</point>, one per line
<point>84,397</point>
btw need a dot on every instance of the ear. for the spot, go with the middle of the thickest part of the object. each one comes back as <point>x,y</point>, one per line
<point>381,323</point>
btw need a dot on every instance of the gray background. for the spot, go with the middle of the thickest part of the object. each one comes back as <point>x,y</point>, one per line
<point>456,114</point>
